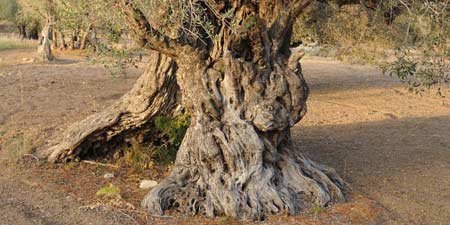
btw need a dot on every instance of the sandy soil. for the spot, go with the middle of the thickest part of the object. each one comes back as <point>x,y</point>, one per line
<point>391,146</point>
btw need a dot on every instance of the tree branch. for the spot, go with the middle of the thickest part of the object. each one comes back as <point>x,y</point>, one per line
<point>298,6</point>
<point>147,35</point>
<point>285,20</point>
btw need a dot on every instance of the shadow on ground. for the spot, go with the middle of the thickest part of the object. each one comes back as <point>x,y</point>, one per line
<point>402,163</point>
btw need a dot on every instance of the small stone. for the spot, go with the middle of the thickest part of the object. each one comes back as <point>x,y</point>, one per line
<point>109,175</point>
<point>147,184</point>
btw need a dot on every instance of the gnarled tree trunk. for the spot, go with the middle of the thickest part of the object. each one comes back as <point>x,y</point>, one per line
<point>154,93</point>
<point>244,90</point>
<point>237,158</point>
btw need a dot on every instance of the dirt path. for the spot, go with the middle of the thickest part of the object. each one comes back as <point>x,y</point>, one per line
<point>29,203</point>
<point>387,143</point>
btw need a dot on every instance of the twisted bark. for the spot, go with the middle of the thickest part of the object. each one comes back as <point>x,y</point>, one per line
<point>237,158</point>
<point>244,90</point>
<point>154,93</point>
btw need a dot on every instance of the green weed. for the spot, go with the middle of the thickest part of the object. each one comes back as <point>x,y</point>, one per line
<point>163,147</point>
<point>109,191</point>
<point>317,209</point>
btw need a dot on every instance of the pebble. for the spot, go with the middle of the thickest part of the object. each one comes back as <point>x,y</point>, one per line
<point>109,175</point>
<point>147,184</point>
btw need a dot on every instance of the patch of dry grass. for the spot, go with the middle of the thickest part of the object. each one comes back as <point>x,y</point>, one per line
<point>10,43</point>
<point>16,148</point>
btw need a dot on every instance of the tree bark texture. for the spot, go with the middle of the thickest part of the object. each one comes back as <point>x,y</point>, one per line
<point>44,52</point>
<point>237,158</point>
<point>154,93</point>
<point>244,90</point>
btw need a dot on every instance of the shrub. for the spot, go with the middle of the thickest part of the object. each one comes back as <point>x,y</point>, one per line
<point>351,33</point>
<point>423,59</point>
<point>162,148</point>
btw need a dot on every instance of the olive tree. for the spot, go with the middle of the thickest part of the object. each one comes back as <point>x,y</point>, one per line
<point>230,65</point>
<point>45,9</point>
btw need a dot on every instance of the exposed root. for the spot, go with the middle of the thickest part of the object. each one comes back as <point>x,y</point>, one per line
<point>291,185</point>
<point>237,157</point>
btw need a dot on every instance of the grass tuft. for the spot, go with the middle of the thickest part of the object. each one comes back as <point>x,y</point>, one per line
<point>317,209</point>
<point>16,148</point>
<point>109,191</point>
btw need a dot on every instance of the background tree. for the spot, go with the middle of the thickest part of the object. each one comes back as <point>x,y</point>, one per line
<point>408,39</point>
<point>45,9</point>
<point>26,23</point>
<point>8,10</point>
<point>423,59</point>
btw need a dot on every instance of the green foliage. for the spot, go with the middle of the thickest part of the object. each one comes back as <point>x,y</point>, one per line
<point>116,61</point>
<point>81,15</point>
<point>420,72</point>
<point>78,18</point>
<point>180,19</point>
<point>317,209</point>
<point>163,147</point>
<point>173,127</point>
<point>423,59</point>
<point>8,10</point>
<point>109,191</point>
<point>411,43</point>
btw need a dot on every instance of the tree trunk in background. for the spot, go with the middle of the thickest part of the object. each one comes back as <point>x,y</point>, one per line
<point>33,33</point>
<point>94,40</point>
<point>54,40</point>
<point>85,38</point>
<point>154,93</point>
<point>60,40</point>
<point>44,52</point>
<point>22,31</point>
<point>73,40</point>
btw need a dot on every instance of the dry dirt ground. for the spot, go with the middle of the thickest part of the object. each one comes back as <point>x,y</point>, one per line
<point>393,147</point>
